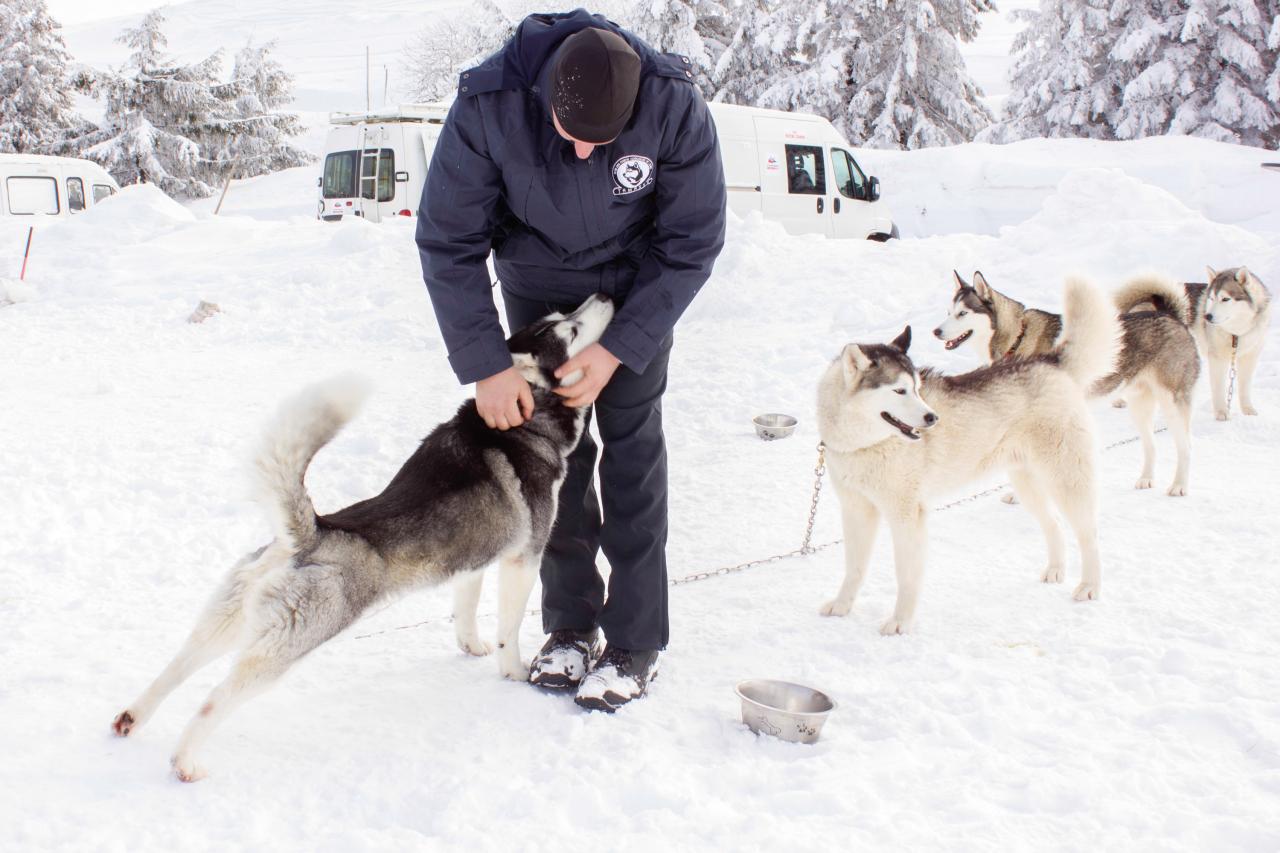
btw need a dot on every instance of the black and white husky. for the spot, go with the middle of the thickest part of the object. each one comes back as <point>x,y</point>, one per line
<point>897,439</point>
<point>468,496</point>
<point>1158,364</point>
<point>1231,316</point>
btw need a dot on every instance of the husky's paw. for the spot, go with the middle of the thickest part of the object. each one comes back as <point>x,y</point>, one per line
<point>1248,410</point>
<point>1010,498</point>
<point>1085,592</point>
<point>895,626</point>
<point>1118,403</point>
<point>186,769</point>
<point>123,724</point>
<point>836,607</point>
<point>1053,574</point>
<point>1177,491</point>
<point>1221,415</point>
<point>473,645</point>
<point>514,672</point>
<point>1143,483</point>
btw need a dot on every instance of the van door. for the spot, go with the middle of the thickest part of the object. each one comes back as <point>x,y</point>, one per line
<point>851,213</point>
<point>795,189</point>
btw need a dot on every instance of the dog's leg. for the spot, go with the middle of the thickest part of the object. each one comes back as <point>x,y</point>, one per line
<point>1075,493</point>
<point>1218,384</point>
<point>516,575</point>
<point>291,616</point>
<point>1246,364</point>
<point>859,518</point>
<point>466,598</point>
<point>217,631</point>
<point>1033,497</point>
<point>1142,408</point>
<point>909,539</point>
<point>251,674</point>
<point>1177,413</point>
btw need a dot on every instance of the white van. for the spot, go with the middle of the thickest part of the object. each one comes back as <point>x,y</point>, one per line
<point>375,163</point>
<point>794,168</point>
<point>37,185</point>
<point>797,169</point>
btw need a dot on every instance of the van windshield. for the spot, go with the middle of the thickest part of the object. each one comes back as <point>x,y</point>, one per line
<point>340,175</point>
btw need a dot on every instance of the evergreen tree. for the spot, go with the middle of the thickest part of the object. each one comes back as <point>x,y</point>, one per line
<point>750,46</point>
<point>887,73</point>
<point>452,44</point>
<point>162,116</point>
<point>1063,81</point>
<point>259,139</point>
<point>35,89</point>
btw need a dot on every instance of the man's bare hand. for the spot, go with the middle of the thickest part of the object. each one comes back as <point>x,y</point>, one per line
<point>597,365</point>
<point>504,400</point>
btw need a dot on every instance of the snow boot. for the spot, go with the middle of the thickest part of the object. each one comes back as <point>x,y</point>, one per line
<point>565,658</point>
<point>620,676</point>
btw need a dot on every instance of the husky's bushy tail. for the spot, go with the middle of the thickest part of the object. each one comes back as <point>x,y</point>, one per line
<point>1091,333</point>
<point>1157,291</point>
<point>304,424</point>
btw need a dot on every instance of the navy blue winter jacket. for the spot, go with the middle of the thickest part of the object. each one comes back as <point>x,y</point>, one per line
<point>642,219</point>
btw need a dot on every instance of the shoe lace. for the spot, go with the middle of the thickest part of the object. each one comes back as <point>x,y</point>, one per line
<point>618,658</point>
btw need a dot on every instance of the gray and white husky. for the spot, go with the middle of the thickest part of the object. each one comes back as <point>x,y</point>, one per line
<point>468,496</point>
<point>1231,315</point>
<point>897,439</point>
<point>1158,364</point>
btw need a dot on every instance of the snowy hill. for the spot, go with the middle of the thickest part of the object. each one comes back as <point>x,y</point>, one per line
<point>1011,719</point>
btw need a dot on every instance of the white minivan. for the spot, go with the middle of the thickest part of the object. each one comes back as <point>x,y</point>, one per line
<point>798,170</point>
<point>375,163</point>
<point>37,185</point>
<point>794,168</point>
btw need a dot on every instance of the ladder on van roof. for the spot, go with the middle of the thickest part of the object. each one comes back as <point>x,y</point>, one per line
<point>367,154</point>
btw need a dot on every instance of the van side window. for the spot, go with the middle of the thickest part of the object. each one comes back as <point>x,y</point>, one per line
<point>32,195</point>
<point>805,172</point>
<point>386,166</point>
<point>75,195</point>
<point>850,180</point>
<point>101,191</point>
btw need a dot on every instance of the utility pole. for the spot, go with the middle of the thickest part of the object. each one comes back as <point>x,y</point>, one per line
<point>367,97</point>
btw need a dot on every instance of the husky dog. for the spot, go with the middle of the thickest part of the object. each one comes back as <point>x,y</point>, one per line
<point>896,439</point>
<point>468,495</point>
<point>1158,363</point>
<point>1231,316</point>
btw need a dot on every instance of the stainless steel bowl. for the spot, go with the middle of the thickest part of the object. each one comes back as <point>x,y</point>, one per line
<point>788,711</point>
<point>773,426</point>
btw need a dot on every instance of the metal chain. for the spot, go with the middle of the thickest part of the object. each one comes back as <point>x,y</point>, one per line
<point>806,546</point>
<point>1231,384</point>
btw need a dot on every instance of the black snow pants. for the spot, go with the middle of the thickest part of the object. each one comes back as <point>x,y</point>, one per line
<point>632,532</point>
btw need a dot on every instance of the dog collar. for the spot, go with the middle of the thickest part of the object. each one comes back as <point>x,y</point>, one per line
<point>1022,333</point>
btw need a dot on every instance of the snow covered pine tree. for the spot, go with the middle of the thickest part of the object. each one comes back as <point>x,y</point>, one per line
<point>887,74</point>
<point>35,92</point>
<point>439,53</point>
<point>161,116</point>
<point>258,141</point>
<point>1135,68</point>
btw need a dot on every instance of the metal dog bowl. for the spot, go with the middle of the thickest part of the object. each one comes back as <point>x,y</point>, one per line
<point>788,711</point>
<point>773,426</point>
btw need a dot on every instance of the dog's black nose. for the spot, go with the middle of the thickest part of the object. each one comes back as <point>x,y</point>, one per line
<point>937,333</point>
<point>1209,317</point>
<point>930,419</point>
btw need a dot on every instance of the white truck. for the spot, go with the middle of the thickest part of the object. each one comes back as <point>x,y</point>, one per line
<point>37,185</point>
<point>794,168</point>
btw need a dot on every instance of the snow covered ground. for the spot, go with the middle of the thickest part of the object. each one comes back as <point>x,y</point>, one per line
<point>1011,719</point>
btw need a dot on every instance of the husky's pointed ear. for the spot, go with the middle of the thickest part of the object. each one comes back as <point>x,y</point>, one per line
<point>960,282</point>
<point>854,361</point>
<point>1242,275</point>
<point>1212,273</point>
<point>985,290</point>
<point>1252,286</point>
<point>902,341</point>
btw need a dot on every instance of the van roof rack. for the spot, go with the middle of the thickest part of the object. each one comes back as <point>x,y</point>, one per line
<point>432,113</point>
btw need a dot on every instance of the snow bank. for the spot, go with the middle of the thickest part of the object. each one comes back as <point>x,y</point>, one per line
<point>1010,719</point>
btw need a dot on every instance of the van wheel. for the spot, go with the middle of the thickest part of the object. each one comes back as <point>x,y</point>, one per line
<point>880,238</point>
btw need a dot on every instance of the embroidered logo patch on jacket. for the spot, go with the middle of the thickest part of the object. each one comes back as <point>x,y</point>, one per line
<point>632,173</point>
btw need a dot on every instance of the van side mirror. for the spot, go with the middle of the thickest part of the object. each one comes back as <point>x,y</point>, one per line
<point>873,188</point>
